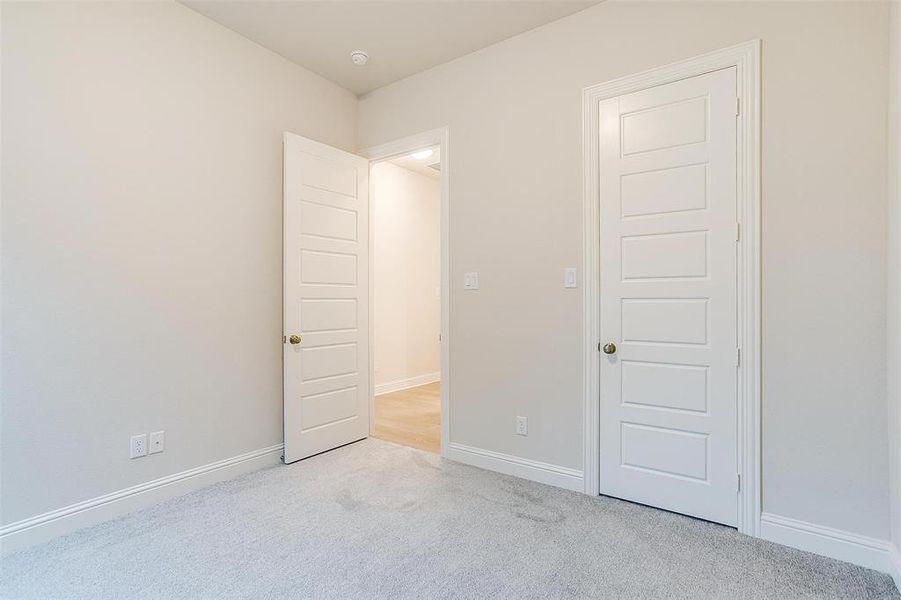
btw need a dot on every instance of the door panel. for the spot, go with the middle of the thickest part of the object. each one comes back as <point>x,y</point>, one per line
<point>664,320</point>
<point>664,126</point>
<point>324,314</point>
<point>322,220</point>
<point>665,191</point>
<point>326,242</point>
<point>664,255</point>
<point>660,385</point>
<point>668,296</point>
<point>664,450</point>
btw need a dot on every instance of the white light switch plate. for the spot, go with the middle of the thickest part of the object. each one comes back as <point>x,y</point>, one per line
<point>471,280</point>
<point>569,277</point>
<point>157,442</point>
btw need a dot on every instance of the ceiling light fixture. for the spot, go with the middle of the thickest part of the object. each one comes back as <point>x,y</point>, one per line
<point>359,57</point>
<point>422,154</point>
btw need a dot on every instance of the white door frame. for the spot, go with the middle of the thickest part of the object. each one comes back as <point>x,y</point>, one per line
<point>386,151</point>
<point>746,59</point>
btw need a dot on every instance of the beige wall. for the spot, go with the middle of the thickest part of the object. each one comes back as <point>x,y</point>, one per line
<point>406,213</point>
<point>141,237</point>
<point>894,298</point>
<point>141,242</point>
<point>515,127</point>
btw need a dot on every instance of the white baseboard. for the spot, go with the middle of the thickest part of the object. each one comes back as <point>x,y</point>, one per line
<point>867,552</point>
<point>49,525</point>
<point>895,559</point>
<point>402,384</point>
<point>570,479</point>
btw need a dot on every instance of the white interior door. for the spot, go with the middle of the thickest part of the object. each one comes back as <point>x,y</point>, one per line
<point>326,288</point>
<point>668,296</point>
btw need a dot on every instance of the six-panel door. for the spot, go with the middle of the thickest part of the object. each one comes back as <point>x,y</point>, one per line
<point>668,296</point>
<point>326,243</point>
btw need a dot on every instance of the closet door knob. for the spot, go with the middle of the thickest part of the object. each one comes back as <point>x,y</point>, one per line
<point>294,339</point>
<point>609,348</point>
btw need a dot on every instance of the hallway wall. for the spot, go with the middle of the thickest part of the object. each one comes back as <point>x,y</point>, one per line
<point>406,213</point>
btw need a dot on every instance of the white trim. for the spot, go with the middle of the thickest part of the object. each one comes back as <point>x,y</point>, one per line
<point>835,543</point>
<point>893,355</point>
<point>746,59</point>
<point>895,565</point>
<point>49,525</point>
<point>405,384</point>
<point>441,137</point>
<point>570,479</point>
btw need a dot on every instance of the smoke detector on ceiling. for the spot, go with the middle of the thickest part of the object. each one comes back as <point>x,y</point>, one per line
<point>359,57</point>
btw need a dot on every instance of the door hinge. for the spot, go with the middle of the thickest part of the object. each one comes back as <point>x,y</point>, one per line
<point>738,357</point>
<point>737,106</point>
<point>738,482</point>
<point>737,231</point>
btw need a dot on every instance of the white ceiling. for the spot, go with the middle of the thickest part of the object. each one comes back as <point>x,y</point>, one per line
<point>402,37</point>
<point>423,166</point>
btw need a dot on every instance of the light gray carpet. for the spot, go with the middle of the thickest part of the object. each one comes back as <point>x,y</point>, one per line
<point>375,520</point>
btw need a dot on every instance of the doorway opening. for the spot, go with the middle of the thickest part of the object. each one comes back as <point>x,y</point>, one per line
<point>329,388</point>
<point>408,291</point>
<point>405,209</point>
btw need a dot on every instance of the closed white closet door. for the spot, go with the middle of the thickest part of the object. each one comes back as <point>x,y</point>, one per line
<point>326,292</point>
<point>668,296</point>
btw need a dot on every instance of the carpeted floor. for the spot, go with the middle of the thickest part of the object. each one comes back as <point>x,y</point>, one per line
<point>375,520</point>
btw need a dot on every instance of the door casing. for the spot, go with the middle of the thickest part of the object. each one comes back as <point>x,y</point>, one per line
<point>746,59</point>
<point>387,151</point>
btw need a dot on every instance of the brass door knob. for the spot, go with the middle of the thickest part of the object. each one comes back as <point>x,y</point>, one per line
<point>294,339</point>
<point>609,348</point>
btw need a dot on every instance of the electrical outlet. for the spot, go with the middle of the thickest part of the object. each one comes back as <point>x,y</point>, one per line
<point>138,446</point>
<point>522,426</point>
<point>157,442</point>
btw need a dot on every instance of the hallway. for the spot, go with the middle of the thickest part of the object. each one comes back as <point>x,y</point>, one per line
<point>411,417</point>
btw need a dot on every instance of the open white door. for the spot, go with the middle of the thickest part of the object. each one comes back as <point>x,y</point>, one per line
<point>668,311</point>
<point>326,293</point>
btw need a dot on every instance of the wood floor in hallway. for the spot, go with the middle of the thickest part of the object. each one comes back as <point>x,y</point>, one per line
<point>411,417</point>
